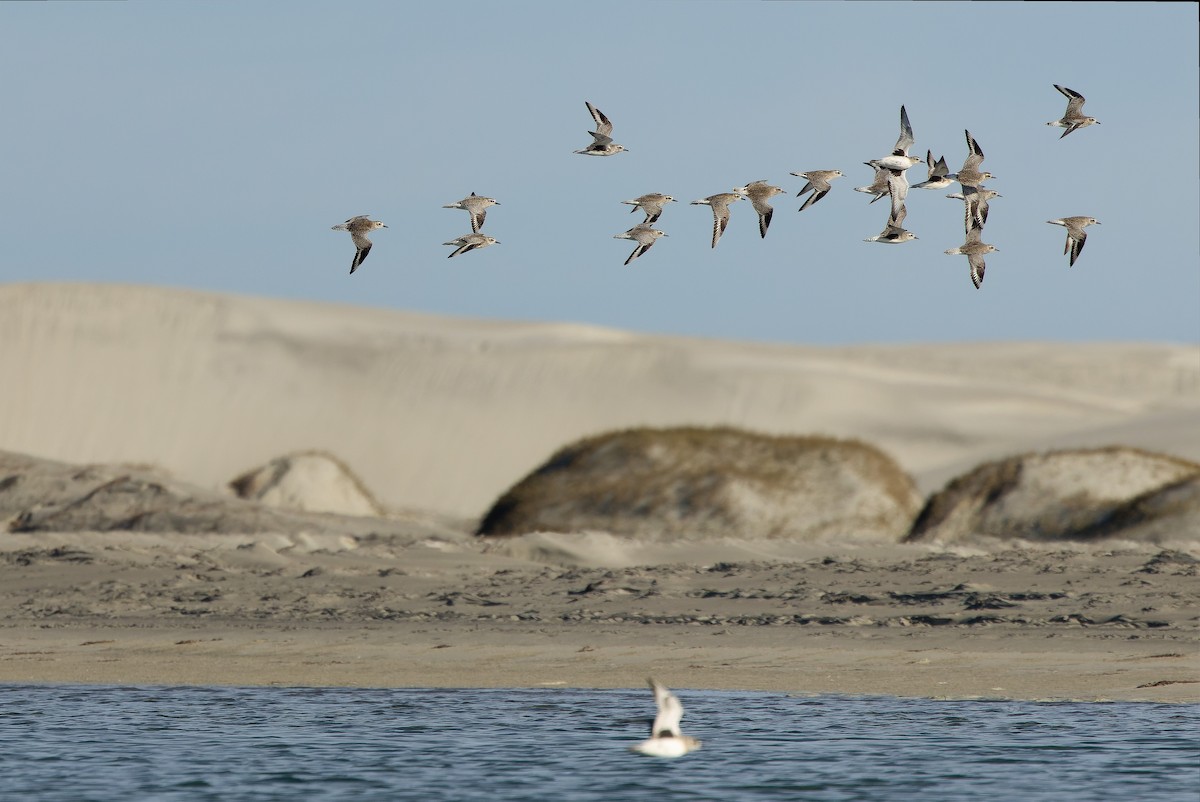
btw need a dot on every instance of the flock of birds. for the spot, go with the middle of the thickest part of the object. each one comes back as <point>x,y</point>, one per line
<point>666,739</point>
<point>890,181</point>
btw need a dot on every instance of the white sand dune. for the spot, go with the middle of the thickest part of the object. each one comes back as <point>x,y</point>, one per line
<point>445,414</point>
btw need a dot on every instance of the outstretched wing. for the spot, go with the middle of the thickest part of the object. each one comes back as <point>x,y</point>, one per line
<point>1074,102</point>
<point>813,198</point>
<point>670,712</point>
<point>975,261</point>
<point>603,125</point>
<point>1076,242</point>
<point>360,255</point>
<point>975,153</point>
<point>906,135</point>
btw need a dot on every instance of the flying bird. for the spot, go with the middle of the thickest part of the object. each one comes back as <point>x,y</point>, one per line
<point>358,227</point>
<point>975,249</point>
<point>645,237</point>
<point>758,193</point>
<point>1076,236</point>
<point>938,173</point>
<point>892,234</point>
<point>818,184</point>
<point>880,185</point>
<point>970,175</point>
<point>1074,118</point>
<point>899,158</point>
<point>476,206</point>
<point>651,203</point>
<point>666,739</point>
<point>975,202</point>
<point>602,143</point>
<point>720,209</point>
<point>470,242</point>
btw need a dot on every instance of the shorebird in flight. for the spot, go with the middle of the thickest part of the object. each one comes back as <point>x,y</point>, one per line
<point>720,209</point>
<point>879,186</point>
<point>975,201</point>
<point>899,158</point>
<point>645,237</point>
<point>358,227</point>
<point>1074,118</point>
<point>818,184</point>
<point>651,203</point>
<point>970,175</point>
<point>938,173</point>
<point>602,143</point>
<point>892,234</point>
<point>476,206</point>
<point>975,249</point>
<point>759,193</point>
<point>1076,236</point>
<point>470,242</point>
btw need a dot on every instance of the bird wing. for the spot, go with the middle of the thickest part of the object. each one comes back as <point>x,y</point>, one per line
<point>1076,240</point>
<point>906,135</point>
<point>603,124</point>
<point>1074,102</point>
<point>360,256</point>
<point>975,261</point>
<point>670,712</point>
<point>813,198</point>
<point>975,153</point>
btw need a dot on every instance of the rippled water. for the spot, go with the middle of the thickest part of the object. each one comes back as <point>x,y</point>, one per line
<point>132,743</point>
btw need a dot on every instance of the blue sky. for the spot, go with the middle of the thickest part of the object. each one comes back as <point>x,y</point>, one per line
<point>212,145</point>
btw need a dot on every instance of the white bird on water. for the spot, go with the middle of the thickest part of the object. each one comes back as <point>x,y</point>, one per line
<point>665,739</point>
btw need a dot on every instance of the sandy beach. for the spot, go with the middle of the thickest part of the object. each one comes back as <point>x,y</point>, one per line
<point>439,417</point>
<point>1030,623</point>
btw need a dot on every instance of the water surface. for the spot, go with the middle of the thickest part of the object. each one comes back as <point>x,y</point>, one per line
<point>131,743</point>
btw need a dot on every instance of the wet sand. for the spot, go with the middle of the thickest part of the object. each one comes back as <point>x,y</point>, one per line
<point>1113,623</point>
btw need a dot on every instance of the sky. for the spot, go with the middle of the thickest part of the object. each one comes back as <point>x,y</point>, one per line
<point>213,145</point>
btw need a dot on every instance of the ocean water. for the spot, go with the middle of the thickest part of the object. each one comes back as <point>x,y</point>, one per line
<point>76,743</point>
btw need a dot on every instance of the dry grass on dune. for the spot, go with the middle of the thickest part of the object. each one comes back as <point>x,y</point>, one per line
<point>710,481</point>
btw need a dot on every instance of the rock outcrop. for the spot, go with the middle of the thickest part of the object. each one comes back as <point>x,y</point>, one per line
<point>40,495</point>
<point>711,482</point>
<point>1084,494</point>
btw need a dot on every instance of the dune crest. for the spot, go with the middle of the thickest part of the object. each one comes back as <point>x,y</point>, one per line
<point>207,384</point>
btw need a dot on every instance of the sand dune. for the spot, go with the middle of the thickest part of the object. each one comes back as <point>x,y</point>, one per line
<point>445,414</point>
<point>440,416</point>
